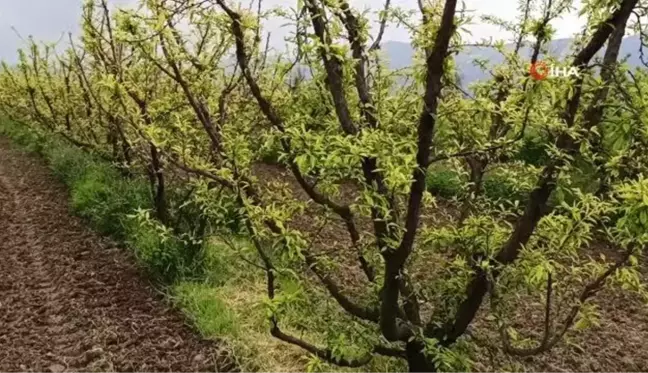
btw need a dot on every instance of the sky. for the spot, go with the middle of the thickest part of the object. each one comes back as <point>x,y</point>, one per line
<point>51,20</point>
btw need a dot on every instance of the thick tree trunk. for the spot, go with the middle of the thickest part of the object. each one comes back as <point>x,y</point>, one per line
<point>161,208</point>
<point>417,361</point>
<point>595,114</point>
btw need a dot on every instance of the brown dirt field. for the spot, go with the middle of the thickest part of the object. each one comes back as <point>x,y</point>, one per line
<point>616,345</point>
<point>73,301</point>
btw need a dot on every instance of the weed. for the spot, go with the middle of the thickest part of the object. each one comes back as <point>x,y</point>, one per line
<point>533,151</point>
<point>211,316</point>
<point>509,185</point>
<point>105,199</point>
<point>444,182</point>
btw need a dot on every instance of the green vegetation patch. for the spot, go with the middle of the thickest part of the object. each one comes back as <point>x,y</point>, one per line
<point>210,314</point>
<point>444,182</point>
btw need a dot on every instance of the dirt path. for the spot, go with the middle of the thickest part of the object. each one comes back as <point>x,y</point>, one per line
<point>71,300</point>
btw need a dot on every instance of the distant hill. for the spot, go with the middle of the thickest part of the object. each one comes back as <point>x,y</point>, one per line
<point>401,54</point>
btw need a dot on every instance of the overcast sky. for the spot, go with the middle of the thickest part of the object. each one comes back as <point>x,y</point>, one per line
<point>49,20</point>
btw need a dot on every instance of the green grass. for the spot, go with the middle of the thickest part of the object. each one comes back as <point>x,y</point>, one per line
<point>210,314</point>
<point>508,185</point>
<point>229,304</point>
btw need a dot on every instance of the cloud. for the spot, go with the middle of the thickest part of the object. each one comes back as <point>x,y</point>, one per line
<point>51,20</point>
<point>45,20</point>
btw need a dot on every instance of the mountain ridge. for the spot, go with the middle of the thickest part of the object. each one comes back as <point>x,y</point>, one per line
<point>401,54</point>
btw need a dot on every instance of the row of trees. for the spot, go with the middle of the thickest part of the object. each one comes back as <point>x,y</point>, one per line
<point>188,92</point>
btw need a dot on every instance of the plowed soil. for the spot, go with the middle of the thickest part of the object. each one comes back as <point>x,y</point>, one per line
<point>73,301</point>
